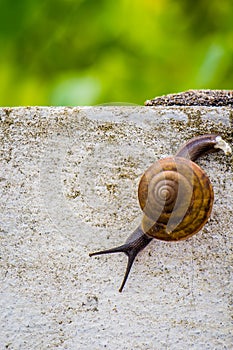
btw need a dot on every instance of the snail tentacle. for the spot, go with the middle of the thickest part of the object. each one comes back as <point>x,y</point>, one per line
<point>137,241</point>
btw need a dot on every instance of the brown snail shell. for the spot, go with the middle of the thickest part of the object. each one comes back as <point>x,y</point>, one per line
<point>176,197</point>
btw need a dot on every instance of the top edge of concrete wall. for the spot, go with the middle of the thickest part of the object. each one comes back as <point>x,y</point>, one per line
<point>193,118</point>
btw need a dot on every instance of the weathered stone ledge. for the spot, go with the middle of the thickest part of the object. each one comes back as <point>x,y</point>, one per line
<point>69,181</point>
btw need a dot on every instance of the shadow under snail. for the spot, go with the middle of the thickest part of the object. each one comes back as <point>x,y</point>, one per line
<point>176,198</point>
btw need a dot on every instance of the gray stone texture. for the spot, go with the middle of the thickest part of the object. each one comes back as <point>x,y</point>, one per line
<point>68,182</point>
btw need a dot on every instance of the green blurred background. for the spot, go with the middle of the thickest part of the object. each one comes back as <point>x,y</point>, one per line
<point>87,52</point>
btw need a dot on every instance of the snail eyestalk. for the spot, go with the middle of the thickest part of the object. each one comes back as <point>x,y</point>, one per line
<point>131,248</point>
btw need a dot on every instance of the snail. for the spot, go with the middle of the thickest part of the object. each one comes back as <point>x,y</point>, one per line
<point>176,197</point>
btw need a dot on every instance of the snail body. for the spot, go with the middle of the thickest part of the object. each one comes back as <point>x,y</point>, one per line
<point>176,197</point>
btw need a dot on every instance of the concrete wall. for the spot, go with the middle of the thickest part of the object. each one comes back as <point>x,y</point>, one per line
<point>69,181</point>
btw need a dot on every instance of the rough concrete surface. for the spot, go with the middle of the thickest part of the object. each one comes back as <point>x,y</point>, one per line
<point>69,181</point>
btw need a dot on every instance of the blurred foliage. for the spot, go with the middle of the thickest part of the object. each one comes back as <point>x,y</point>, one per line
<point>86,52</point>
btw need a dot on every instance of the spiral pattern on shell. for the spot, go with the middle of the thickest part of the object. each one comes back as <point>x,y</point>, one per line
<point>176,197</point>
